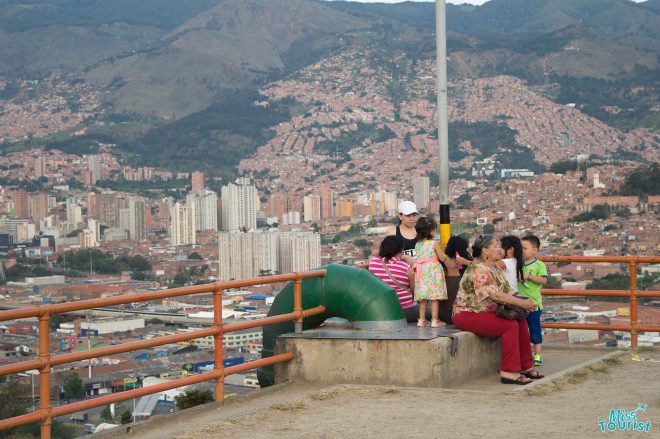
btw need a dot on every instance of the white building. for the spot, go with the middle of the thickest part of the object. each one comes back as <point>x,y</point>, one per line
<point>422,191</point>
<point>94,166</point>
<point>73,211</point>
<point>245,255</point>
<point>205,204</point>
<point>312,207</point>
<point>240,203</point>
<point>182,225</point>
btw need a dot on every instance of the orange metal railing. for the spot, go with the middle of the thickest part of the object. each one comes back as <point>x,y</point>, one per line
<point>45,360</point>
<point>633,293</point>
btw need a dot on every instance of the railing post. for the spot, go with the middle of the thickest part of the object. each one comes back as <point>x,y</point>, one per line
<point>44,376</point>
<point>297,304</point>
<point>219,348</point>
<point>633,303</point>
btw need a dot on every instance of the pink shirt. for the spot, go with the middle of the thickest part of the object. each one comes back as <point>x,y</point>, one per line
<point>399,270</point>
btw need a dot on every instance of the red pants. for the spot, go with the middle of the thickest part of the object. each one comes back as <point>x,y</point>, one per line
<point>514,337</point>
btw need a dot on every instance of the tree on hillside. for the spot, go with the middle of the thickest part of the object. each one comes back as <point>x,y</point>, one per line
<point>644,180</point>
<point>126,417</point>
<point>193,398</point>
<point>106,414</point>
<point>13,402</point>
<point>73,386</point>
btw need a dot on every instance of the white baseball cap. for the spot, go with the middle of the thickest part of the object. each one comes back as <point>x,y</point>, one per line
<point>407,207</point>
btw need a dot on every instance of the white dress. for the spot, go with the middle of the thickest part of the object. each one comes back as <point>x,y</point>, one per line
<point>511,272</point>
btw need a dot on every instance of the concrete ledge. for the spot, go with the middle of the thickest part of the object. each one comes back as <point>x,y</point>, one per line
<point>420,363</point>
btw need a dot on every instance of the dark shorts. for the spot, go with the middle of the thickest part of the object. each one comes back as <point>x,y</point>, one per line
<point>534,323</point>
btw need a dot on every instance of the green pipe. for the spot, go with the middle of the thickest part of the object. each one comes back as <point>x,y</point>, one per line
<point>351,293</point>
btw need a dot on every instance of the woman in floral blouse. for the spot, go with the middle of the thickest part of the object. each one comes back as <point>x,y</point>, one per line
<point>483,286</point>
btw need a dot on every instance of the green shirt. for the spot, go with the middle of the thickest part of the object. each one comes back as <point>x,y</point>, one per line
<point>531,289</point>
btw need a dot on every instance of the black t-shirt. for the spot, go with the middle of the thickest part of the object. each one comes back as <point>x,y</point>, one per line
<point>408,244</point>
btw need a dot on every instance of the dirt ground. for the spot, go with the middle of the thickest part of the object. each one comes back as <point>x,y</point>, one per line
<point>570,406</point>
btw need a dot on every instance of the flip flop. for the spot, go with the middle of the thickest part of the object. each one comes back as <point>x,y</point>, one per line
<point>533,374</point>
<point>520,381</point>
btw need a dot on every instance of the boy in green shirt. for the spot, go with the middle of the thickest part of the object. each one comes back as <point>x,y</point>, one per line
<point>535,274</point>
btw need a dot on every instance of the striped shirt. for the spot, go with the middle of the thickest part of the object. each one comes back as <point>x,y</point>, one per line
<point>399,270</point>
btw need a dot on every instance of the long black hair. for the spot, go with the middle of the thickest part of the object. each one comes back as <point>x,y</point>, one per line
<point>457,245</point>
<point>514,242</point>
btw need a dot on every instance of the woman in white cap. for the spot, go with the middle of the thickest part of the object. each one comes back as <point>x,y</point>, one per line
<point>405,231</point>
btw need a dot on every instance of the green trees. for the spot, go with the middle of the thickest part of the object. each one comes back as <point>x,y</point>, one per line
<point>14,403</point>
<point>599,211</point>
<point>644,180</point>
<point>193,398</point>
<point>73,386</point>
<point>126,417</point>
<point>104,262</point>
<point>106,415</point>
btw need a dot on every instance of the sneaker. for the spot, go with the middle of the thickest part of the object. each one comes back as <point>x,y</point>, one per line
<point>437,324</point>
<point>421,322</point>
<point>538,360</point>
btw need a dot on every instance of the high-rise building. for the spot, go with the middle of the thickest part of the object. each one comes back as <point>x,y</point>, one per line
<point>422,191</point>
<point>299,251</point>
<point>107,210</point>
<point>91,235</point>
<point>327,201</point>
<point>239,205</point>
<point>244,255</point>
<point>182,225</point>
<point>137,222</point>
<point>94,167</point>
<point>344,209</point>
<point>39,167</point>
<point>38,206</point>
<point>312,207</point>
<point>95,228</point>
<point>21,203</point>
<point>197,180</point>
<point>73,211</point>
<point>205,203</point>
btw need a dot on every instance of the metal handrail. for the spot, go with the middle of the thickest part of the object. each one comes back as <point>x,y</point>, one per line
<point>45,360</point>
<point>633,293</point>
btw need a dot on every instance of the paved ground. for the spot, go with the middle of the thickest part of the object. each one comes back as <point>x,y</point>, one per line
<point>568,405</point>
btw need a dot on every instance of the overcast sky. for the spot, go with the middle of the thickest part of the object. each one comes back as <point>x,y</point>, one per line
<point>456,2</point>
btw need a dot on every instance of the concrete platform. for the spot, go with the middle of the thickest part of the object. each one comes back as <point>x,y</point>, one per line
<point>418,357</point>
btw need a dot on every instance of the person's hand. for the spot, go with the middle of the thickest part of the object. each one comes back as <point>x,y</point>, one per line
<point>528,305</point>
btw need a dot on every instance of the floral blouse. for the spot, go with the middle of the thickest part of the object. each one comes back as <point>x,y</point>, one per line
<point>479,282</point>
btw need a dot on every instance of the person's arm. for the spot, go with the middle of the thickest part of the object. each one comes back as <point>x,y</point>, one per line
<point>463,261</point>
<point>442,257</point>
<point>540,275</point>
<point>500,264</point>
<point>501,297</point>
<point>408,259</point>
<point>411,279</point>
<point>541,280</point>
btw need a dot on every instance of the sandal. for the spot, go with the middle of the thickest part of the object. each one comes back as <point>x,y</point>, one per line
<point>437,324</point>
<point>533,374</point>
<point>520,381</point>
<point>422,322</point>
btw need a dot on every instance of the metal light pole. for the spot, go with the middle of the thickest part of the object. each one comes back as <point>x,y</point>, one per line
<point>443,123</point>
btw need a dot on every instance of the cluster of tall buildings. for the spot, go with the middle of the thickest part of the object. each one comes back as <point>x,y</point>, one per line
<point>251,254</point>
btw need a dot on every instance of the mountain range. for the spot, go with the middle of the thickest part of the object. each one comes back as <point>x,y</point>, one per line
<point>166,66</point>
